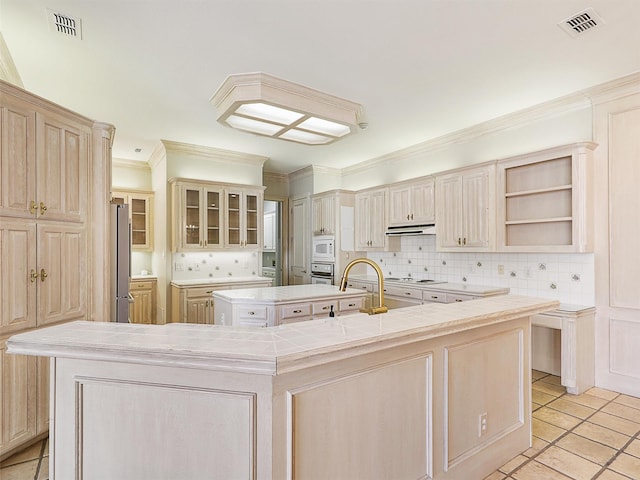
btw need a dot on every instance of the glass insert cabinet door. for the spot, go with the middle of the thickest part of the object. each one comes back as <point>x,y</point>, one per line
<point>214,218</point>
<point>192,217</point>
<point>252,214</point>
<point>243,219</point>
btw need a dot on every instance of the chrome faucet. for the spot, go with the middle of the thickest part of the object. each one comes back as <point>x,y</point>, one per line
<point>343,285</point>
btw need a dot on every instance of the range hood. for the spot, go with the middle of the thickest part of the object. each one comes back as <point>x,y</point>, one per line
<point>423,229</point>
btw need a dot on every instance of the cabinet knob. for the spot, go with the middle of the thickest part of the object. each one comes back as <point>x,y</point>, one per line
<point>459,241</point>
<point>464,241</point>
<point>408,217</point>
<point>458,299</point>
<point>43,275</point>
<point>252,313</point>
<point>297,311</point>
<point>352,304</point>
<point>33,275</point>
<point>33,208</point>
<point>43,208</point>
<point>326,307</point>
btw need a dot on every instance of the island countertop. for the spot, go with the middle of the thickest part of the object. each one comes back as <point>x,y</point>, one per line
<point>286,293</point>
<point>270,350</point>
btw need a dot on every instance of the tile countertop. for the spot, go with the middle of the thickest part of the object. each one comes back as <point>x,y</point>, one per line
<point>286,293</point>
<point>440,287</point>
<point>219,281</point>
<point>270,350</point>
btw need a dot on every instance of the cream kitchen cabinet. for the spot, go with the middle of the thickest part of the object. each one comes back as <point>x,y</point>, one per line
<point>324,214</point>
<point>412,203</point>
<point>465,209</point>
<point>140,215</point>
<point>197,216</point>
<point>44,162</point>
<point>244,218</point>
<point>144,300</point>
<point>210,216</point>
<point>371,221</point>
<point>545,200</point>
<point>195,304</point>
<point>48,219</point>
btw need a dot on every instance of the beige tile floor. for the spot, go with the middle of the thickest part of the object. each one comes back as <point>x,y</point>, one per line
<point>578,437</point>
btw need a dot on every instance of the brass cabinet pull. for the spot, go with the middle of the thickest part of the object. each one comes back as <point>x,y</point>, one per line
<point>252,313</point>
<point>412,216</point>
<point>43,275</point>
<point>33,275</point>
<point>407,293</point>
<point>209,291</point>
<point>325,307</point>
<point>43,208</point>
<point>408,217</point>
<point>352,304</point>
<point>434,297</point>
<point>297,311</point>
<point>33,208</point>
<point>458,300</point>
<point>464,241</point>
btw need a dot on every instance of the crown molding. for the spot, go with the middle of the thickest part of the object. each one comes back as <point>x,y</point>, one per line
<point>302,173</point>
<point>212,153</point>
<point>125,163</point>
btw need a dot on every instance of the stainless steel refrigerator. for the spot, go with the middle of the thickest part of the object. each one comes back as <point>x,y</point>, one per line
<point>120,262</point>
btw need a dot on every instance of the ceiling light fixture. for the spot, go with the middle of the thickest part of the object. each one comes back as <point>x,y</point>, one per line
<point>266,105</point>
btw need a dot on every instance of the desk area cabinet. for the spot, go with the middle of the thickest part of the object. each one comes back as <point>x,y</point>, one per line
<point>144,306</point>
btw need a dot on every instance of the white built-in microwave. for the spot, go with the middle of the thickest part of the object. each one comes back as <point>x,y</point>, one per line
<point>323,249</point>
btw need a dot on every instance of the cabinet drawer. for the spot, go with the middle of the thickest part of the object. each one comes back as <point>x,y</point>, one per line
<point>251,322</point>
<point>403,292</point>
<point>200,292</point>
<point>455,297</point>
<point>366,286</point>
<point>141,285</point>
<point>258,312</point>
<point>295,310</point>
<point>320,309</point>
<point>434,297</point>
<point>348,305</point>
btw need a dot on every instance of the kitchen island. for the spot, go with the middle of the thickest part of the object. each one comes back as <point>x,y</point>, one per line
<point>436,391</point>
<point>262,307</point>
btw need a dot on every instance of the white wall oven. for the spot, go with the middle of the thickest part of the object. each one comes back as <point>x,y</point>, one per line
<point>324,249</point>
<point>322,273</point>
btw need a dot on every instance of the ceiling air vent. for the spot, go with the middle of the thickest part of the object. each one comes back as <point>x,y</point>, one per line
<point>65,24</point>
<point>581,22</point>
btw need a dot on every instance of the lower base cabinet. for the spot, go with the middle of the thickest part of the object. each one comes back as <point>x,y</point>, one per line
<point>144,301</point>
<point>194,304</point>
<point>24,400</point>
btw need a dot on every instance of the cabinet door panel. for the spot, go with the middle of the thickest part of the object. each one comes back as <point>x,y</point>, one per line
<point>450,212</point>
<point>17,398</point>
<point>399,206</point>
<point>62,153</point>
<point>423,203</point>
<point>475,205</point>
<point>17,261</point>
<point>17,160</point>
<point>62,289</point>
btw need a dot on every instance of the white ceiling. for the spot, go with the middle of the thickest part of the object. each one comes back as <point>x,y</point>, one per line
<point>420,68</point>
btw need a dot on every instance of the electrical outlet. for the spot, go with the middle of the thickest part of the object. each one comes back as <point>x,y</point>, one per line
<point>482,424</point>
<point>179,267</point>
<point>500,269</point>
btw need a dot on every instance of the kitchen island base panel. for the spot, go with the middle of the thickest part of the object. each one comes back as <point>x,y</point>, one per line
<point>410,411</point>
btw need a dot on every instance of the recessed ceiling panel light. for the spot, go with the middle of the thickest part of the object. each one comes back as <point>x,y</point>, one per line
<point>253,126</point>
<point>323,126</point>
<point>306,137</point>
<point>274,107</point>
<point>269,112</point>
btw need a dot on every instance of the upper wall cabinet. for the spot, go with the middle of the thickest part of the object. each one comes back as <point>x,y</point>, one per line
<point>140,216</point>
<point>412,203</point>
<point>210,216</point>
<point>371,221</point>
<point>544,200</point>
<point>43,166</point>
<point>324,214</point>
<point>465,210</point>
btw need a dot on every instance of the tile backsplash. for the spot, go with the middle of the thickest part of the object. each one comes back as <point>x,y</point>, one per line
<point>567,277</point>
<point>190,266</point>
